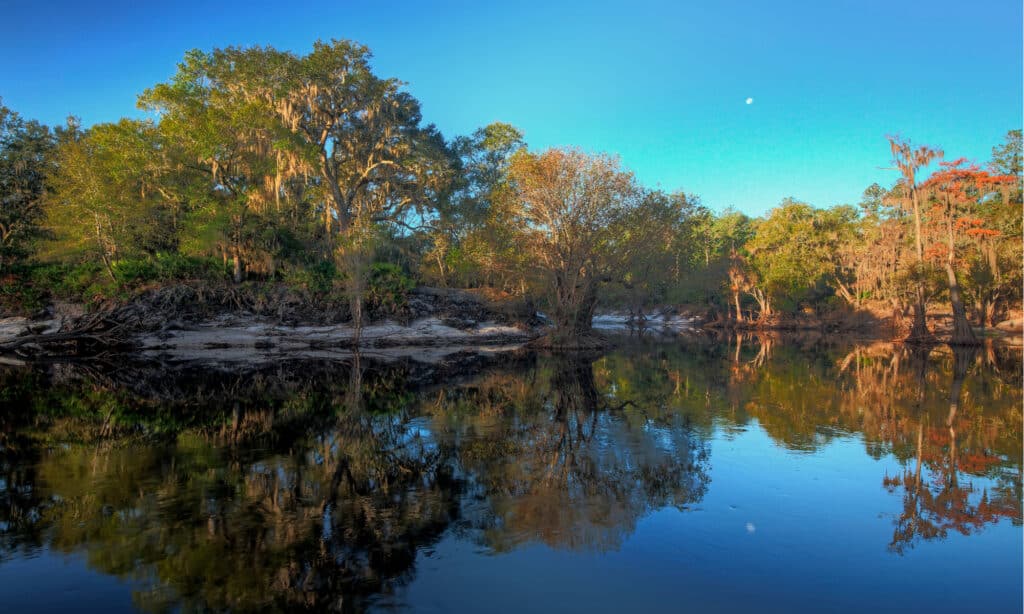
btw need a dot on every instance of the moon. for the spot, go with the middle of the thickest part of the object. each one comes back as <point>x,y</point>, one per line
<point>750,101</point>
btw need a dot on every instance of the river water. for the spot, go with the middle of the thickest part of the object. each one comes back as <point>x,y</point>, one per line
<point>700,475</point>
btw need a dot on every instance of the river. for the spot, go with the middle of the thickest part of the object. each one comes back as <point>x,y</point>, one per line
<point>739,474</point>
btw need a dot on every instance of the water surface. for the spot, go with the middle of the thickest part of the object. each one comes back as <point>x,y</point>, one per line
<point>739,474</point>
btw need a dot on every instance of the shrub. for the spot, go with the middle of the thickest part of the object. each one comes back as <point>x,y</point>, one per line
<point>387,289</point>
<point>18,295</point>
<point>165,267</point>
<point>132,271</point>
<point>317,278</point>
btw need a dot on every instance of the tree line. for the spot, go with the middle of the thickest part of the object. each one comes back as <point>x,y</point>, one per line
<point>257,165</point>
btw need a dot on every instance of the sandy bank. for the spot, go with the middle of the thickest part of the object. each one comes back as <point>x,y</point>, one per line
<point>231,338</point>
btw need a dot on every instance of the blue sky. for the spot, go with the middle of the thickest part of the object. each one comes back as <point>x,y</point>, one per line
<point>662,84</point>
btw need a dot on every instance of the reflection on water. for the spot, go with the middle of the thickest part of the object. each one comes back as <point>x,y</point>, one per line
<point>347,487</point>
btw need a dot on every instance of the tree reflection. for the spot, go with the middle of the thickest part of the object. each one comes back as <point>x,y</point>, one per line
<point>211,518</point>
<point>267,491</point>
<point>936,504</point>
<point>317,486</point>
<point>580,474</point>
<point>951,418</point>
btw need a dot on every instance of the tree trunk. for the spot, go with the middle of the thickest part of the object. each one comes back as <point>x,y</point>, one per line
<point>962,333</point>
<point>764,304</point>
<point>585,314</point>
<point>848,296</point>
<point>356,306</point>
<point>108,266</point>
<point>736,300</point>
<point>989,296</point>
<point>919,332</point>
<point>236,271</point>
<point>962,359</point>
<point>440,270</point>
<point>341,203</point>
<point>574,311</point>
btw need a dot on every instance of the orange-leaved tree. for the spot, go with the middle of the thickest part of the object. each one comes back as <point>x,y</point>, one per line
<point>956,192</point>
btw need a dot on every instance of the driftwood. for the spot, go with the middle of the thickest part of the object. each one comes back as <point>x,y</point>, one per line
<point>98,329</point>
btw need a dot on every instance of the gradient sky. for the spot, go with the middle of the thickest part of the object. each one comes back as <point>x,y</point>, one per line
<point>662,84</point>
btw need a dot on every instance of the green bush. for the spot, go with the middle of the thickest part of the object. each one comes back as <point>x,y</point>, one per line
<point>317,278</point>
<point>387,288</point>
<point>77,282</point>
<point>133,271</point>
<point>90,281</point>
<point>18,295</point>
<point>165,267</point>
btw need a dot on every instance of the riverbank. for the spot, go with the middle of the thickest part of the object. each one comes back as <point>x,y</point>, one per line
<point>186,322</point>
<point>873,321</point>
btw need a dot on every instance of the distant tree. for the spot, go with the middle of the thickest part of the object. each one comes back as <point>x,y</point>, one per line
<point>872,253</point>
<point>1007,158</point>
<point>872,202</point>
<point>649,245</point>
<point>739,280</point>
<point>994,274</point>
<point>713,239</point>
<point>468,231</point>
<point>792,253</point>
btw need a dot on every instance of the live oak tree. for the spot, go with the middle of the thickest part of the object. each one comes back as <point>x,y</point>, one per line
<point>378,167</point>
<point>374,158</point>
<point>228,135</point>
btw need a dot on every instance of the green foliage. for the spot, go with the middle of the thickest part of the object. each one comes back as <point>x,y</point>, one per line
<point>166,267</point>
<point>18,295</point>
<point>1007,157</point>
<point>318,278</point>
<point>791,251</point>
<point>387,288</point>
<point>84,282</point>
<point>30,287</point>
<point>26,158</point>
<point>110,200</point>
